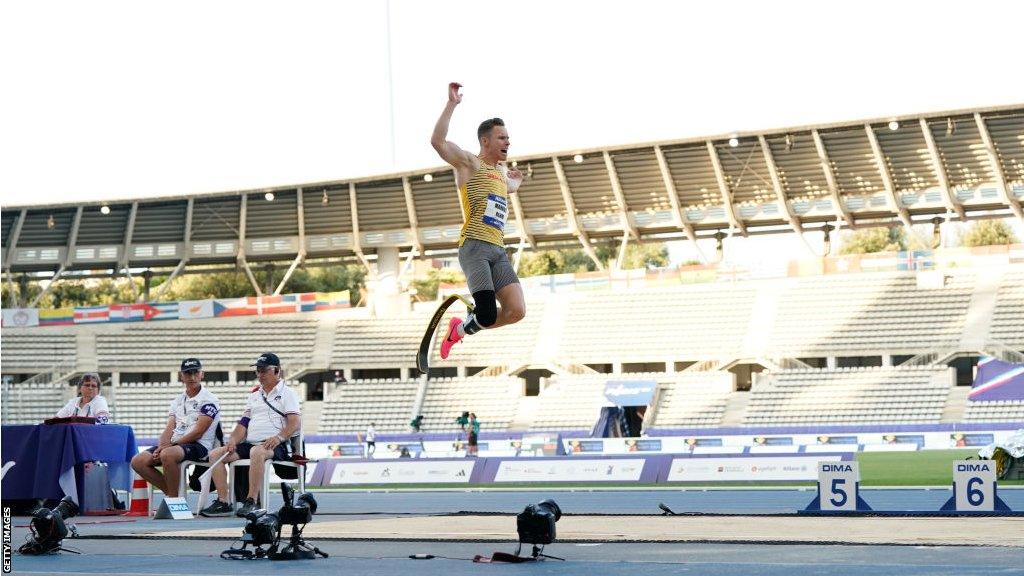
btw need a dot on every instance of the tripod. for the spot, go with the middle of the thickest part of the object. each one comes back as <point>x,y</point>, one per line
<point>537,553</point>
<point>297,549</point>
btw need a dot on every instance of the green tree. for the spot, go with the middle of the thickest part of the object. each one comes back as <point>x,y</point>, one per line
<point>325,279</point>
<point>203,286</point>
<point>69,293</point>
<point>578,261</point>
<point>989,233</point>
<point>236,284</point>
<point>544,262</point>
<point>25,290</point>
<point>426,288</point>
<point>872,240</point>
<point>336,278</point>
<point>638,255</point>
<point>114,290</point>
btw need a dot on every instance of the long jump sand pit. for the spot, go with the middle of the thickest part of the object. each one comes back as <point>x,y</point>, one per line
<point>959,531</point>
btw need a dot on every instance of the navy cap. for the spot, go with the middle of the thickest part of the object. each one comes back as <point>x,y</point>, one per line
<point>267,359</point>
<point>191,365</point>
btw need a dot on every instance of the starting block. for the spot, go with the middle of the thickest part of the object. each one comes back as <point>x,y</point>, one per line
<point>974,488</point>
<point>838,488</point>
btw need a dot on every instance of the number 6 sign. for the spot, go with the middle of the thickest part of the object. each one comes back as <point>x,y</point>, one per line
<point>974,487</point>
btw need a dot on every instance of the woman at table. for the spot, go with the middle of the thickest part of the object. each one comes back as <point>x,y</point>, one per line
<point>88,402</point>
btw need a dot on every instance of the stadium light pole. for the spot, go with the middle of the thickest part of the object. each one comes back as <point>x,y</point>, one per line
<point>723,188</point>
<point>997,167</point>
<point>391,79</point>
<point>243,210</point>
<point>9,256</point>
<point>887,183</point>
<point>301,218</point>
<point>122,265</point>
<point>780,193</point>
<point>940,170</point>
<point>186,252</point>
<point>68,257</point>
<point>628,228</point>
<point>357,244</point>
<point>839,208</point>
<point>573,217</point>
<point>673,197</point>
<point>414,222</point>
<point>613,178</point>
<point>522,229</point>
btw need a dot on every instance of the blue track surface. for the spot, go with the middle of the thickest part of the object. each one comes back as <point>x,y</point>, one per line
<point>632,501</point>
<point>108,551</point>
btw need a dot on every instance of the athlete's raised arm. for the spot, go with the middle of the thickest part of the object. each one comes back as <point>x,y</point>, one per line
<point>449,151</point>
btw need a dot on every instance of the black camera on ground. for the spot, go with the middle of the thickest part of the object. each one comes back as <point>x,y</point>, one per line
<point>536,526</point>
<point>264,529</point>
<point>296,511</point>
<point>48,528</point>
<point>536,523</point>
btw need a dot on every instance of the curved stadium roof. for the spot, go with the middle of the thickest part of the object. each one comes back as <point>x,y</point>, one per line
<point>968,162</point>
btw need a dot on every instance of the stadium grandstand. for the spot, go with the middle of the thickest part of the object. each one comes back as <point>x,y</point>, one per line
<point>883,339</point>
<point>910,169</point>
<point>721,288</point>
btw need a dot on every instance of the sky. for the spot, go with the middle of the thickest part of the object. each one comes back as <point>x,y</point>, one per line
<point>125,99</point>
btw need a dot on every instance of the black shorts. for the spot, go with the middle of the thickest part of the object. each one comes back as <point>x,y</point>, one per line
<point>194,451</point>
<point>371,442</point>
<point>472,439</point>
<point>283,451</point>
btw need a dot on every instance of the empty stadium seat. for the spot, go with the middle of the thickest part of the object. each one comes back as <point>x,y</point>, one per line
<point>34,350</point>
<point>994,411</point>
<point>31,403</point>
<point>493,400</point>
<point>158,346</point>
<point>850,396</point>
<point>352,406</point>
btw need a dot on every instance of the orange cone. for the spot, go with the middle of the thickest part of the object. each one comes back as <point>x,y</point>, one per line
<point>140,497</point>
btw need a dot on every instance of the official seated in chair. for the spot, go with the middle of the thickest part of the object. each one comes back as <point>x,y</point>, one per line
<point>89,402</point>
<point>263,433</point>
<point>191,432</point>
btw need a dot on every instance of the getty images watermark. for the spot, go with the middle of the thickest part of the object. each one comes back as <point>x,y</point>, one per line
<point>7,540</point>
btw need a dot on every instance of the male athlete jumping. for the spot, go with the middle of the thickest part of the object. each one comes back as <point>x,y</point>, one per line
<point>484,184</point>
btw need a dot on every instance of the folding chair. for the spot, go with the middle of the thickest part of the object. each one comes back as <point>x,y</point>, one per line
<point>297,442</point>
<point>218,441</point>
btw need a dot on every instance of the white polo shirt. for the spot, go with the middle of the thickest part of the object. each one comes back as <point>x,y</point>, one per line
<point>186,411</point>
<point>96,408</point>
<point>264,422</point>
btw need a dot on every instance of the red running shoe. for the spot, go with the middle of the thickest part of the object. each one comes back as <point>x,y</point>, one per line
<point>452,338</point>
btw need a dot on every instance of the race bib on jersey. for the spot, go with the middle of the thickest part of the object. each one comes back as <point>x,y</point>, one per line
<point>496,211</point>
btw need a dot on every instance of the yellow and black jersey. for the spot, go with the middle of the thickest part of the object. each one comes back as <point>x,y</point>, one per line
<point>484,206</point>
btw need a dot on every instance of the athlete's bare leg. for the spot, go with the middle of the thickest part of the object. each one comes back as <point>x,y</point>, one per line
<point>512,307</point>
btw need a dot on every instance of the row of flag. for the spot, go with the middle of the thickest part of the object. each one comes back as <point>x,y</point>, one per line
<point>188,309</point>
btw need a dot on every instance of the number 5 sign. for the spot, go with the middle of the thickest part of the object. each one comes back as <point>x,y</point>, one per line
<point>974,487</point>
<point>838,488</point>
